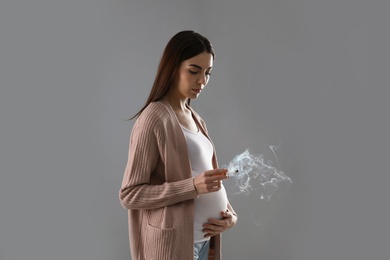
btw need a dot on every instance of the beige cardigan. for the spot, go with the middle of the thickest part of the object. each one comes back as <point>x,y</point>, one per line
<point>158,189</point>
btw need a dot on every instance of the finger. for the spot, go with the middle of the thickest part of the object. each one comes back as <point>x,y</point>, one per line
<point>226,214</point>
<point>213,229</point>
<point>214,222</point>
<point>213,189</point>
<point>211,181</point>
<point>217,177</point>
<point>216,172</point>
<point>213,184</point>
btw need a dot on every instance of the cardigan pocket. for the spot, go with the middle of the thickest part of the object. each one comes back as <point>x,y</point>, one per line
<point>160,243</point>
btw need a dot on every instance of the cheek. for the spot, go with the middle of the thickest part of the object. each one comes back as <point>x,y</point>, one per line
<point>187,79</point>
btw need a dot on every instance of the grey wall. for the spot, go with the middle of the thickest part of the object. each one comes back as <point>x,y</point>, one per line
<point>312,76</point>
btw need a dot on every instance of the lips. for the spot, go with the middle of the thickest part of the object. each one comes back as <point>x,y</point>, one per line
<point>197,90</point>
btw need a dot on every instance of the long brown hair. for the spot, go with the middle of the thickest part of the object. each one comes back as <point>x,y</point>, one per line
<point>182,46</point>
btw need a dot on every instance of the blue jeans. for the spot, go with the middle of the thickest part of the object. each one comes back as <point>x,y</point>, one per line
<point>201,250</point>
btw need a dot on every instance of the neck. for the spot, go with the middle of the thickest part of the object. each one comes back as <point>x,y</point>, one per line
<point>177,104</point>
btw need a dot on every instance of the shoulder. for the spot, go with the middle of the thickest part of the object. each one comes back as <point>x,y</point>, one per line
<point>155,115</point>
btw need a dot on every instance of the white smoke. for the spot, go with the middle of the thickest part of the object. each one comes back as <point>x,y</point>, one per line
<point>255,175</point>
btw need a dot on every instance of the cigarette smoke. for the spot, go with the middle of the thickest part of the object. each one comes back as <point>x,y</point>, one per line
<point>255,175</point>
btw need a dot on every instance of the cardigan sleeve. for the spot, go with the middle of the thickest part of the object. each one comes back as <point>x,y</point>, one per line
<point>136,190</point>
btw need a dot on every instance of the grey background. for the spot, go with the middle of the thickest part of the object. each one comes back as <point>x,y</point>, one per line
<point>310,75</point>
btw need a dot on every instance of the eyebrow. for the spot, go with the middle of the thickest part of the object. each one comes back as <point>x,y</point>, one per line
<point>197,66</point>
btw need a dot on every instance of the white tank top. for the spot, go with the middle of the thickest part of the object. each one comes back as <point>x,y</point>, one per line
<point>208,205</point>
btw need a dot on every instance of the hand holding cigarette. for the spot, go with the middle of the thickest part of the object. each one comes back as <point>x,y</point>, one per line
<point>210,181</point>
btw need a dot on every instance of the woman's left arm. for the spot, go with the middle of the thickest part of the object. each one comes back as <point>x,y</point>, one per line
<point>216,226</point>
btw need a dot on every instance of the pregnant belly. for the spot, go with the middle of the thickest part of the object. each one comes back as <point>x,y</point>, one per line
<point>209,206</point>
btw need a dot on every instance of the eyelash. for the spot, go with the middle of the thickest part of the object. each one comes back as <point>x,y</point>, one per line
<point>195,72</point>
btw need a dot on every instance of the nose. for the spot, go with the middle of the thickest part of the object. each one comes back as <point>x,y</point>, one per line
<point>203,79</point>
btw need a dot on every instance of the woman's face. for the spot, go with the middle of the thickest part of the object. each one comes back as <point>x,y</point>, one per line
<point>193,75</point>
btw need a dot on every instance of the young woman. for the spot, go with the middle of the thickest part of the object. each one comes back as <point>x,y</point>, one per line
<point>172,186</point>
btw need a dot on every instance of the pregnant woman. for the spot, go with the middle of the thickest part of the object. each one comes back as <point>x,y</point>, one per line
<point>172,185</point>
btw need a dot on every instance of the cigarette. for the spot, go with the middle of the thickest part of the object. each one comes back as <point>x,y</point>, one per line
<point>228,173</point>
<point>232,172</point>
